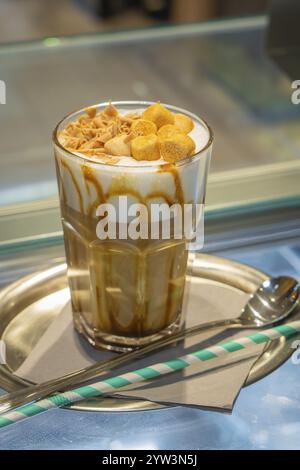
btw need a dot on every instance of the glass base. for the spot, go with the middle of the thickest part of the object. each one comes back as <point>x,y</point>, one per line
<point>120,344</point>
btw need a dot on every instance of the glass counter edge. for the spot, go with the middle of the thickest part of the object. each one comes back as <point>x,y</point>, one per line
<point>131,35</point>
<point>45,212</point>
<point>212,214</point>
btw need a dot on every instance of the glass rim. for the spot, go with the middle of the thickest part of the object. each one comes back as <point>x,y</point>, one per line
<point>130,103</point>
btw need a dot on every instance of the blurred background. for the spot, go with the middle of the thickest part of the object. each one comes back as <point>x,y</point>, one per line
<point>28,19</point>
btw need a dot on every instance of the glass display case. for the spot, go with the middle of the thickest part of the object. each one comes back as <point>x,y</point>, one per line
<point>220,70</point>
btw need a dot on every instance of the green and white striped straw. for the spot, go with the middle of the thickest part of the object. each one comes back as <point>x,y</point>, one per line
<point>112,384</point>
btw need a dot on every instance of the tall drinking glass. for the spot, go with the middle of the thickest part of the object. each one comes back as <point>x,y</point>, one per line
<point>126,292</point>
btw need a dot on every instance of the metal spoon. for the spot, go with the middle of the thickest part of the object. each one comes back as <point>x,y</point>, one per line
<point>273,301</point>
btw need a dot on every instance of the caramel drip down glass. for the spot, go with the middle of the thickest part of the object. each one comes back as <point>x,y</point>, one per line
<point>125,293</point>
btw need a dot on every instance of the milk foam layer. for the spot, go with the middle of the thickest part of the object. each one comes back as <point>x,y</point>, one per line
<point>86,182</point>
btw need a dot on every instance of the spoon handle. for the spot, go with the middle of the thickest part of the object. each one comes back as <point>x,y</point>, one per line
<point>33,393</point>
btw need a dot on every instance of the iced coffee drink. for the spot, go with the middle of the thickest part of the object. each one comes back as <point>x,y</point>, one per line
<point>127,290</point>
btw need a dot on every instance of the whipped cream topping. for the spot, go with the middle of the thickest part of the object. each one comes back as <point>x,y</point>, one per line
<point>200,135</point>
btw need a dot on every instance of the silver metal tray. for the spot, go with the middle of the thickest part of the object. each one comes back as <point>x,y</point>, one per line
<point>29,305</point>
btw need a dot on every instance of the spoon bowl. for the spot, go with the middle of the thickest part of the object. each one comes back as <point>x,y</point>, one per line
<point>273,301</point>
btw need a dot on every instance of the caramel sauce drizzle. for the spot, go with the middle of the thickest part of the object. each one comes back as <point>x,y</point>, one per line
<point>120,188</point>
<point>170,168</point>
<point>74,181</point>
<point>63,191</point>
<point>124,191</point>
<point>90,177</point>
<point>168,309</point>
<point>61,186</point>
<point>160,194</point>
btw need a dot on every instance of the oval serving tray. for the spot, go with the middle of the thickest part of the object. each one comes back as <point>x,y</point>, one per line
<point>29,305</point>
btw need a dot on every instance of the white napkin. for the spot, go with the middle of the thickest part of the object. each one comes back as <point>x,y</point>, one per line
<point>215,384</point>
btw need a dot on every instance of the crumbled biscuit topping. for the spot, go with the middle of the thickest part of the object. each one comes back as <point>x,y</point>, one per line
<point>155,134</point>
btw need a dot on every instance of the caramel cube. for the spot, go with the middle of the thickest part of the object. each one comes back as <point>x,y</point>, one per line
<point>158,114</point>
<point>145,147</point>
<point>141,127</point>
<point>176,147</point>
<point>168,130</point>
<point>184,123</point>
